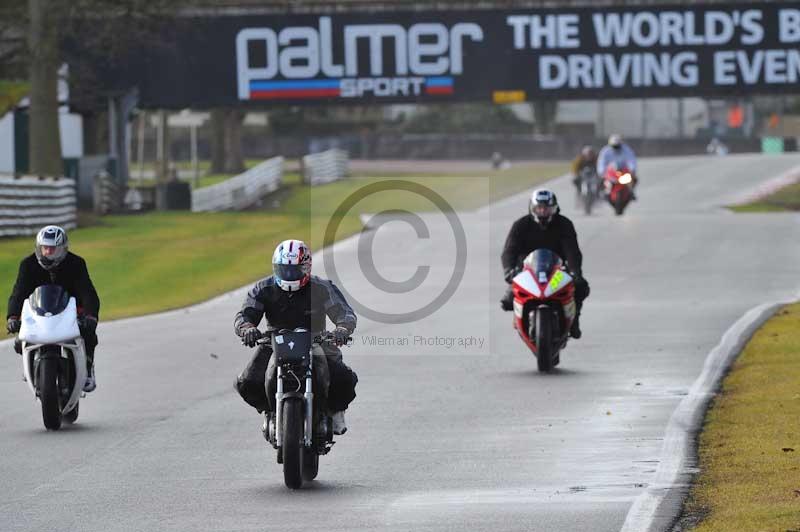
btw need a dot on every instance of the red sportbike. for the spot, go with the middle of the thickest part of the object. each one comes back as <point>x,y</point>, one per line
<point>618,186</point>
<point>544,306</point>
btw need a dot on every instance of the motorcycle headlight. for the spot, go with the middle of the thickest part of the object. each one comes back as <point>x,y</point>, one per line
<point>624,179</point>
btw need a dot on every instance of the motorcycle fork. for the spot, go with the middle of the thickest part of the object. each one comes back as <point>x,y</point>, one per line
<point>309,400</point>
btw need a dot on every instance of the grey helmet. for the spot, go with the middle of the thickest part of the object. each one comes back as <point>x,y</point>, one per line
<point>543,206</point>
<point>51,236</point>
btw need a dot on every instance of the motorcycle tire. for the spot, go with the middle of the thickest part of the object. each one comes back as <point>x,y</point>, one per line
<point>310,464</point>
<point>292,445</point>
<point>619,207</point>
<point>544,341</point>
<point>49,395</point>
<point>588,199</point>
<point>72,416</point>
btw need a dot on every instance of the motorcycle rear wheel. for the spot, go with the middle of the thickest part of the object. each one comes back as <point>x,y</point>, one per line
<point>310,464</point>
<point>292,444</point>
<point>72,416</point>
<point>544,341</point>
<point>48,393</point>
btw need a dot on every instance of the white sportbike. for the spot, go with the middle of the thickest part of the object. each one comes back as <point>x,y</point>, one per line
<point>53,353</point>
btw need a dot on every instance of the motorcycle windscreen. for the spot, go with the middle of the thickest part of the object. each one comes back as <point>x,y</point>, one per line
<point>49,299</point>
<point>543,261</point>
<point>291,347</point>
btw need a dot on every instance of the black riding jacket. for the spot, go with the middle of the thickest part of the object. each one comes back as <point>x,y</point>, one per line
<point>71,274</point>
<point>306,307</point>
<point>526,236</point>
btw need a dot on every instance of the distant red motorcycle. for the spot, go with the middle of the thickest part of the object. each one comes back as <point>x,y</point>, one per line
<point>544,306</point>
<point>618,186</point>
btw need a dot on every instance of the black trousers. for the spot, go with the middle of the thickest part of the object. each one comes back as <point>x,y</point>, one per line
<point>252,382</point>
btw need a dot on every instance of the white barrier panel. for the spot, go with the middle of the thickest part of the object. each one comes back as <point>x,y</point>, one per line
<point>241,191</point>
<point>325,167</point>
<point>28,203</point>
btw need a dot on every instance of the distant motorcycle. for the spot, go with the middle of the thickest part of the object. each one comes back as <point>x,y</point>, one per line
<point>544,306</point>
<point>618,186</point>
<point>53,353</point>
<point>589,186</point>
<point>299,427</point>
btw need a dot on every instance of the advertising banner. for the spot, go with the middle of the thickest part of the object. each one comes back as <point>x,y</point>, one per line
<point>499,55</point>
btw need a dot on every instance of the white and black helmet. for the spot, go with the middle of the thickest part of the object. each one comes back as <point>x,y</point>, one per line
<point>543,206</point>
<point>54,237</point>
<point>291,265</point>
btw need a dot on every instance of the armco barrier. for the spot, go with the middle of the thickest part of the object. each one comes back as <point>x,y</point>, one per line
<point>29,203</point>
<point>325,167</point>
<point>241,191</point>
<point>107,194</point>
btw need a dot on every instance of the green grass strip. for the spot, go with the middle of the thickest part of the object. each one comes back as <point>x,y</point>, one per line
<point>750,445</point>
<point>152,262</point>
<point>785,199</point>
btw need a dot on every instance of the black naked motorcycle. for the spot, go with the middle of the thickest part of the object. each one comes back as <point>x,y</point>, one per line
<point>299,426</point>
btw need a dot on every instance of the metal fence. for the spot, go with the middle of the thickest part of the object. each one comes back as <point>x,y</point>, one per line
<point>29,203</point>
<point>325,167</point>
<point>241,191</point>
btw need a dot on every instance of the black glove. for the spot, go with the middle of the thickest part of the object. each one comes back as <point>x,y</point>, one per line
<point>13,324</point>
<point>340,336</point>
<point>510,274</point>
<point>250,336</point>
<point>88,323</point>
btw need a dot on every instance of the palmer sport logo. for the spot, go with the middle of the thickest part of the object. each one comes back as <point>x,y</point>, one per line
<point>348,88</point>
<point>298,62</point>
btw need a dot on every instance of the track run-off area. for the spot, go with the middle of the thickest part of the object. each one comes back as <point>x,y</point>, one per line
<point>453,428</point>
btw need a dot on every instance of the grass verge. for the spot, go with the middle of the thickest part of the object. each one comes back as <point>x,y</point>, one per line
<point>785,199</point>
<point>750,445</point>
<point>152,262</point>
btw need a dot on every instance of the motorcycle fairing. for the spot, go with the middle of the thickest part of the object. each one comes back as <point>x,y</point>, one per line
<point>525,280</point>
<point>39,329</point>
<point>557,282</point>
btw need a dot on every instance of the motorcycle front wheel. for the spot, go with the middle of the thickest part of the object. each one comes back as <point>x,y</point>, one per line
<point>292,444</point>
<point>48,393</point>
<point>544,341</point>
<point>588,199</point>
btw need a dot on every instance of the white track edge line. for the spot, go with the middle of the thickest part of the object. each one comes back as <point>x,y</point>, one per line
<point>687,418</point>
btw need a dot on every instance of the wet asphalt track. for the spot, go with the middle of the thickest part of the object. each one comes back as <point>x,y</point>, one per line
<point>444,436</point>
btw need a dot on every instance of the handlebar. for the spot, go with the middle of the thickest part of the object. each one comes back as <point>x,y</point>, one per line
<point>324,337</point>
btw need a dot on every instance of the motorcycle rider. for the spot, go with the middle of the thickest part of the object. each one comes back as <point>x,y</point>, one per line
<point>587,158</point>
<point>618,153</point>
<point>544,227</point>
<point>52,263</point>
<point>289,298</point>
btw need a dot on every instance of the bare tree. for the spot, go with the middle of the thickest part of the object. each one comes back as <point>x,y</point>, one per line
<point>45,139</point>
<point>109,29</point>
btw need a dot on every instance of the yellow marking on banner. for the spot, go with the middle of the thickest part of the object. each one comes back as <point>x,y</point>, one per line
<point>508,96</point>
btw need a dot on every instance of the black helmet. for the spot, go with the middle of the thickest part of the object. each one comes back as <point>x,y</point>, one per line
<point>543,206</point>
